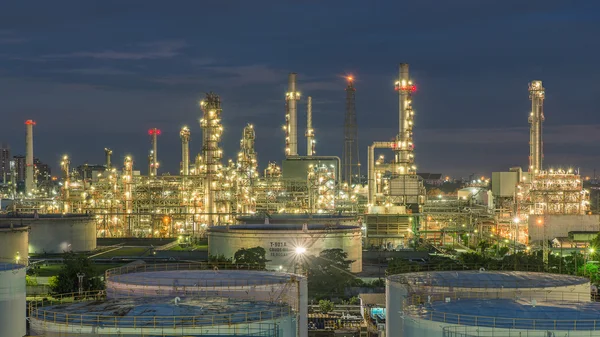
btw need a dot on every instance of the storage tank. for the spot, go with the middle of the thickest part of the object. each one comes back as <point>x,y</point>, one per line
<point>283,242</point>
<point>161,316</point>
<point>477,303</point>
<point>196,279</point>
<point>12,300</point>
<point>56,233</point>
<point>14,241</point>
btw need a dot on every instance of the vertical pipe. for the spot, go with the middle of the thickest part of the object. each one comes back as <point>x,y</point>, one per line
<point>536,117</point>
<point>185,150</point>
<point>29,182</point>
<point>371,173</point>
<point>108,153</point>
<point>310,138</point>
<point>292,97</point>
<point>154,154</point>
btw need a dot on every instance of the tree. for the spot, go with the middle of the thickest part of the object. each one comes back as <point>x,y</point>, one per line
<point>255,257</point>
<point>329,273</point>
<point>67,280</point>
<point>326,306</point>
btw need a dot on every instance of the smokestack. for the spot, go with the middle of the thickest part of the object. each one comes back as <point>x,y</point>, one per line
<point>292,118</point>
<point>65,168</point>
<point>185,150</point>
<point>536,117</point>
<point>107,154</point>
<point>404,141</point>
<point>153,169</point>
<point>310,133</point>
<point>29,181</point>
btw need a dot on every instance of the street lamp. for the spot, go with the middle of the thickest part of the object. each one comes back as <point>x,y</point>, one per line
<point>300,251</point>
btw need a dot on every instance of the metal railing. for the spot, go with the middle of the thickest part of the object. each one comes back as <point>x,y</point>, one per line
<point>178,266</point>
<point>45,311</point>
<point>416,307</point>
<point>466,331</point>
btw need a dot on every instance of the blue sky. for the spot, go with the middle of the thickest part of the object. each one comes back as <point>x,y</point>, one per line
<point>98,74</point>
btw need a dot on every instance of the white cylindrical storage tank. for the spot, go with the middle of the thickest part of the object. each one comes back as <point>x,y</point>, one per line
<point>12,300</point>
<point>14,243</point>
<point>283,242</point>
<point>161,316</point>
<point>56,233</point>
<point>195,279</point>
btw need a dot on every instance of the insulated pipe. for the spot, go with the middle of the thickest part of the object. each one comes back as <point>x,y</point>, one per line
<point>536,117</point>
<point>310,136</point>
<point>185,150</point>
<point>371,167</point>
<point>292,128</point>
<point>29,181</point>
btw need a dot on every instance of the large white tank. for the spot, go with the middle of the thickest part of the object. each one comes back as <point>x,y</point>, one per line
<point>14,241</point>
<point>57,233</point>
<point>12,300</point>
<point>285,244</point>
<point>172,280</point>
<point>425,303</point>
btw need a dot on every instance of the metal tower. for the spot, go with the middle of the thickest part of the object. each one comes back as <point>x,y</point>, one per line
<point>404,141</point>
<point>212,153</point>
<point>153,157</point>
<point>291,118</point>
<point>350,156</point>
<point>536,117</point>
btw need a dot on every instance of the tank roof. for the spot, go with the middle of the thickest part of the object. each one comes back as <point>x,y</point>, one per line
<point>281,227</point>
<point>13,226</point>
<point>157,311</point>
<point>10,266</point>
<point>519,314</point>
<point>488,279</point>
<point>206,278</point>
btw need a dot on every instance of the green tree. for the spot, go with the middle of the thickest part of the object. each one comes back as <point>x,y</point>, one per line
<point>326,306</point>
<point>255,257</point>
<point>67,280</point>
<point>329,273</point>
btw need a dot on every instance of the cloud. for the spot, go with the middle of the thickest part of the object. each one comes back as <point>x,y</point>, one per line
<point>93,71</point>
<point>230,76</point>
<point>151,50</point>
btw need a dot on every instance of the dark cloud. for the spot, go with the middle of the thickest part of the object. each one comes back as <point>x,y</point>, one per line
<point>101,74</point>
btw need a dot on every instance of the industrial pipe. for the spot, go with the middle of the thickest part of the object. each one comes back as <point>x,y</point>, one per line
<point>310,135</point>
<point>185,150</point>
<point>536,117</point>
<point>371,167</point>
<point>29,181</point>
<point>292,97</point>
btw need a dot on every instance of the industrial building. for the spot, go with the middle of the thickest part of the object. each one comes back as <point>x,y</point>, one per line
<point>475,303</point>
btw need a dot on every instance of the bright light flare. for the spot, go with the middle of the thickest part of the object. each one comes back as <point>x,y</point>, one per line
<point>300,250</point>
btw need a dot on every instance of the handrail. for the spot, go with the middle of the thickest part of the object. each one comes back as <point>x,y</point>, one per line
<point>415,307</point>
<point>37,312</point>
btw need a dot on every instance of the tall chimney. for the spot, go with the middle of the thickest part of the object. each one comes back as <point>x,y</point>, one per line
<point>29,181</point>
<point>292,96</point>
<point>185,150</point>
<point>536,117</point>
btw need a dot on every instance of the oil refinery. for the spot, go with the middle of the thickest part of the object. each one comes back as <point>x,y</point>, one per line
<point>392,206</point>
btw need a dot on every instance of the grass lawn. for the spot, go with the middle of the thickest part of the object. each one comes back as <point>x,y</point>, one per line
<point>187,248</point>
<point>52,270</point>
<point>125,251</point>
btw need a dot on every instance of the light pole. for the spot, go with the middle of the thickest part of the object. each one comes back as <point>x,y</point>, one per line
<point>80,276</point>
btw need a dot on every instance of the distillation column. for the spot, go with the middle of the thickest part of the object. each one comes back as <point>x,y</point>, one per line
<point>404,141</point>
<point>291,128</point>
<point>310,133</point>
<point>536,117</point>
<point>211,137</point>
<point>247,166</point>
<point>127,182</point>
<point>371,167</point>
<point>65,167</point>
<point>154,133</point>
<point>107,153</point>
<point>185,150</point>
<point>29,181</point>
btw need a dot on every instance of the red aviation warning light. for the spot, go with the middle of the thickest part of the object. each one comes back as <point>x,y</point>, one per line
<point>154,131</point>
<point>29,122</point>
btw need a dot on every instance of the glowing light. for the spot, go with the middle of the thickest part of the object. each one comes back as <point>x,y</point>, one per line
<point>300,250</point>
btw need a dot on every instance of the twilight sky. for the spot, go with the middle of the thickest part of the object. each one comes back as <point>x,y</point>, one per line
<point>97,74</point>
